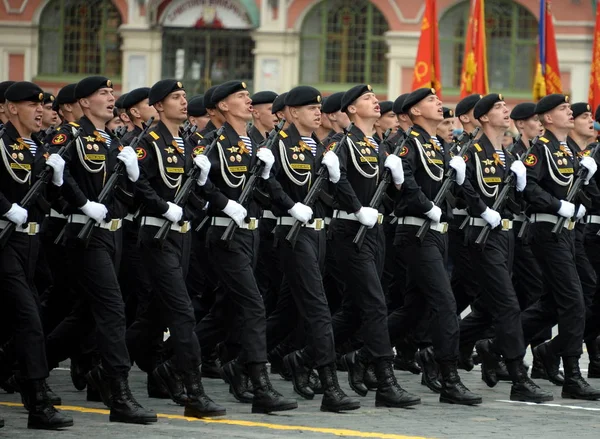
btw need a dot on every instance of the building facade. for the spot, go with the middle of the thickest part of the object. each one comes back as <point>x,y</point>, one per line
<point>277,44</point>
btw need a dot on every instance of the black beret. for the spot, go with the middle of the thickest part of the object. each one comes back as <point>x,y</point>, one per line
<point>90,85</point>
<point>302,95</point>
<point>485,104</point>
<point>120,101</point>
<point>66,95</point>
<point>226,89</point>
<point>386,107</point>
<point>579,108</point>
<point>196,106</point>
<point>3,86</point>
<point>415,97</point>
<point>332,103</point>
<point>466,104</point>
<point>135,96</point>
<point>399,102</point>
<point>448,112</point>
<point>48,98</point>
<point>279,103</point>
<point>162,89</point>
<point>263,97</point>
<point>523,111</point>
<point>208,98</point>
<point>354,93</point>
<point>550,102</point>
<point>24,91</point>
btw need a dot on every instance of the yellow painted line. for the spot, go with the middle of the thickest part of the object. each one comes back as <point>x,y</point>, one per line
<point>241,423</point>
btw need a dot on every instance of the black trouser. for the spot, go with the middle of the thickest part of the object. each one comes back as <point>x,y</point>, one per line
<point>284,317</point>
<point>200,283</point>
<point>592,246</point>
<point>428,285</point>
<point>362,286</point>
<point>492,269</point>
<point>463,283</point>
<point>562,300</point>
<point>19,297</point>
<point>238,302</point>
<point>268,271</point>
<point>331,279</point>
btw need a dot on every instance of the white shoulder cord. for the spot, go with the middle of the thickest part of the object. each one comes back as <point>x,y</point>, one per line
<point>488,190</point>
<point>352,149</point>
<point>287,167</point>
<point>225,165</point>
<point>551,165</point>
<point>6,158</point>
<point>426,161</point>
<point>81,154</point>
<point>170,182</point>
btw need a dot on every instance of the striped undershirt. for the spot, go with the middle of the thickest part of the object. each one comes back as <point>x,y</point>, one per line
<point>568,150</point>
<point>247,142</point>
<point>179,142</point>
<point>374,143</point>
<point>32,145</point>
<point>310,142</point>
<point>438,143</point>
<point>502,157</point>
<point>106,137</point>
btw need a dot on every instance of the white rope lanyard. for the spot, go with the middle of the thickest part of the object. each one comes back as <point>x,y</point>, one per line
<point>225,166</point>
<point>427,161</point>
<point>6,158</point>
<point>289,171</point>
<point>552,167</point>
<point>170,182</point>
<point>353,151</point>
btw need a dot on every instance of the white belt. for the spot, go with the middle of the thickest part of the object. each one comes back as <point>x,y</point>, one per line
<point>340,214</point>
<point>520,218</point>
<point>592,219</point>
<point>158,222</point>
<point>317,224</point>
<point>462,212</point>
<point>547,218</point>
<point>224,222</point>
<point>414,221</point>
<point>55,214</point>
<point>130,217</point>
<point>267,214</point>
<point>480,222</point>
<point>111,226</point>
<point>30,228</point>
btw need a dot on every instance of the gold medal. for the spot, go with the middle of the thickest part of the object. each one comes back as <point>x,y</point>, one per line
<point>486,170</point>
<point>295,156</point>
<point>238,158</point>
<point>21,156</point>
<point>169,159</point>
<point>232,159</point>
<point>174,159</point>
<point>301,157</point>
<point>560,162</point>
<point>14,155</point>
<point>89,147</point>
<point>362,151</point>
<point>96,147</point>
<point>493,170</point>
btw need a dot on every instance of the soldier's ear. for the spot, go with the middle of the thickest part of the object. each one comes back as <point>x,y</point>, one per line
<point>415,111</point>
<point>159,107</point>
<point>84,103</point>
<point>222,106</point>
<point>351,109</point>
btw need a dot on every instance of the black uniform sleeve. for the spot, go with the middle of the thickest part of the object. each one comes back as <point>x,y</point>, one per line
<point>71,191</point>
<point>535,195</point>
<point>343,189</point>
<point>410,188</point>
<point>474,202</point>
<point>148,171</point>
<point>278,196</point>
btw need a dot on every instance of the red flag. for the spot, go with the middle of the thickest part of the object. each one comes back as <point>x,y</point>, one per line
<point>427,71</point>
<point>473,78</point>
<point>594,94</point>
<point>547,75</point>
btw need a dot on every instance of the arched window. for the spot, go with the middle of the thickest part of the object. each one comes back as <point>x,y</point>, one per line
<point>343,42</point>
<point>80,37</point>
<point>511,36</point>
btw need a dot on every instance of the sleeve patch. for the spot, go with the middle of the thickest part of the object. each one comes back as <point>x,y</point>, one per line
<point>331,146</point>
<point>466,158</point>
<point>59,139</point>
<point>403,151</point>
<point>141,153</point>
<point>530,160</point>
<point>198,150</point>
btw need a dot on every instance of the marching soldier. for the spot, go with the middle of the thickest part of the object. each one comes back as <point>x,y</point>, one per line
<point>387,120</point>
<point>50,116</point>
<point>263,119</point>
<point>280,110</point>
<point>445,129</point>
<point>403,119</point>
<point>197,114</point>
<point>216,117</point>
<point>68,107</point>
<point>3,113</point>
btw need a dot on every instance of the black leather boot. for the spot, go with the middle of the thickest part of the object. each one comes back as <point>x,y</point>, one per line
<point>550,362</point>
<point>405,358</point>
<point>453,389</point>
<point>575,387</point>
<point>523,388</point>
<point>356,364</point>
<point>156,389</point>
<point>78,373</point>
<point>211,365</point>
<point>300,370</point>
<point>124,407</point>
<point>199,405</point>
<point>54,398</point>
<point>370,378</point>
<point>537,368</point>
<point>315,383</point>
<point>334,398</point>
<point>431,373</point>
<point>489,362</point>
<point>275,358</point>
<point>42,414</point>
<point>167,376</point>
<point>389,393</point>
<point>239,381</point>
<point>465,358</point>
<point>97,380</point>
<point>502,371</point>
<point>266,399</point>
<point>594,356</point>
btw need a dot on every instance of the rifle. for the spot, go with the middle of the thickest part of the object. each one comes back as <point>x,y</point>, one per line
<point>85,233</point>
<point>189,133</point>
<point>443,192</point>
<point>380,191</point>
<point>509,182</point>
<point>185,190</point>
<point>252,180</point>
<point>314,191</point>
<point>34,191</point>
<point>512,145</point>
<point>574,193</point>
<point>120,132</point>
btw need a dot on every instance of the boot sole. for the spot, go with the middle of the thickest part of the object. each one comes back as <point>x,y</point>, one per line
<point>397,405</point>
<point>536,400</point>
<point>304,395</point>
<point>280,408</point>
<point>192,413</point>
<point>236,395</point>
<point>126,420</point>
<point>341,408</point>
<point>48,427</point>
<point>585,398</point>
<point>476,401</point>
<point>352,386</point>
<point>163,382</point>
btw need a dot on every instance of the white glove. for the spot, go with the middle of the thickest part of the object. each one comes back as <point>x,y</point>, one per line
<point>492,217</point>
<point>236,212</point>
<point>129,157</point>
<point>590,164</point>
<point>367,216</point>
<point>566,209</point>
<point>96,211</point>
<point>580,212</point>
<point>203,163</point>
<point>394,164</point>
<point>266,156</point>
<point>16,214</point>
<point>331,160</point>
<point>57,164</point>
<point>521,173</point>
<point>174,213</point>
<point>301,212</point>
<point>435,214</point>
<point>458,163</point>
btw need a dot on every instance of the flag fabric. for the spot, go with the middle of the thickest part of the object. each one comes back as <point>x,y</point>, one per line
<point>594,93</point>
<point>427,71</point>
<point>547,74</point>
<point>474,78</point>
